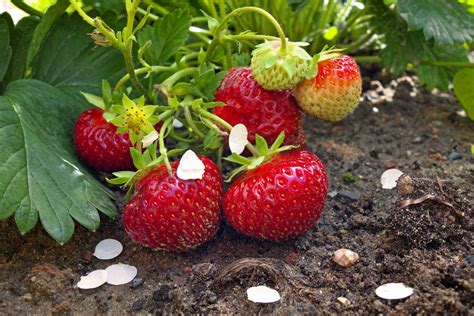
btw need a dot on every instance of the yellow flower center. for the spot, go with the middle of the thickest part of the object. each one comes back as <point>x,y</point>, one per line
<point>136,119</point>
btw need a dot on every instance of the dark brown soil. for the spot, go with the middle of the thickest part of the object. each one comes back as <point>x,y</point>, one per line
<point>424,244</point>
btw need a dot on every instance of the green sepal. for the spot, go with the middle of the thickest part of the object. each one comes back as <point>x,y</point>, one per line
<point>256,162</point>
<point>212,140</point>
<point>261,144</point>
<point>289,64</point>
<point>109,117</point>
<point>94,100</point>
<point>278,141</point>
<point>106,94</point>
<point>235,158</point>
<point>137,157</point>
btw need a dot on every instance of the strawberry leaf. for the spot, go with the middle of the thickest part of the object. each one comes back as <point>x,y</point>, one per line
<point>5,47</point>
<point>447,21</point>
<point>463,83</point>
<point>41,175</point>
<point>167,35</point>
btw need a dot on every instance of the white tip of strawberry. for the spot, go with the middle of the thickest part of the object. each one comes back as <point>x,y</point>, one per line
<point>238,139</point>
<point>190,166</point>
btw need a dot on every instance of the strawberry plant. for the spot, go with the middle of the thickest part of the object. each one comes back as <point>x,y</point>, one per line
<point>216,81</point>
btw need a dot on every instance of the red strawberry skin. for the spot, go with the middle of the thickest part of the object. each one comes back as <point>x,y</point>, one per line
<point>168,213</point>
<point>99,145</point>
<point>262,111</point>
<point>334,92</point>
<point>279,200</point>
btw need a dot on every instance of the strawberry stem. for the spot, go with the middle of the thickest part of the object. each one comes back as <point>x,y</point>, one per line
<point>222,25</point>
<point>161,141</point>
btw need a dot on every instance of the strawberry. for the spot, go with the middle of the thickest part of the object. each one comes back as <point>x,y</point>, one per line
<point>275,68</point>
<point>166,212</point>
<point>334,92</point>
<point>262,111</point>
<point>280,199</point>
<point>98,143</point>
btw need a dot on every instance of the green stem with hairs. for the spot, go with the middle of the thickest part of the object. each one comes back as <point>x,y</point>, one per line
<point>238,11</point>
<point>20,4</point>
<point>361,41</point>
<point>190,121</point>
<point>140,71</point>
<point>249,37</point>
<point>161,143</point>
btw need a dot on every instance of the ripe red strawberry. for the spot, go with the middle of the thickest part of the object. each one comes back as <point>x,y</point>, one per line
<point>334,92</point>
<point>279,200</point>
<point>98,143</point>
<point>263,112</point>
<point>166,212</point>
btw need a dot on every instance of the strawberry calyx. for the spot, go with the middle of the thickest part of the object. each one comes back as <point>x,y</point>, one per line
<point>264,153</point>
<point>325,54</point>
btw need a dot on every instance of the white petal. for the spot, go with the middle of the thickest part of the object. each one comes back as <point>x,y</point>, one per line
<point>393,291</point>
<point>120,273</point>
<point>262,294</point>
<point>389,178</point>
<point>375,110</point>
<point>93,280</point>
<point>190,166</point>
<point>238,138</point>
<point>149,138</point>
<point>177,123</point>
<point>108,249</point>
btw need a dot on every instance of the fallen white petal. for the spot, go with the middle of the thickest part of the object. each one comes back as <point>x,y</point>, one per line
<point>375,110</point>
<point>177,123</point>
<point>149,138</point>
<point>108,249</point>
<point>393,291</point>
<point>93,280</point>
<point>389,178</point>
<point>120,273</point>
<point>262,294</point>
<point>238,138</point>
<point>190,166</point>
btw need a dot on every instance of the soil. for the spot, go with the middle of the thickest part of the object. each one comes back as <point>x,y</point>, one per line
<point>421,237</point>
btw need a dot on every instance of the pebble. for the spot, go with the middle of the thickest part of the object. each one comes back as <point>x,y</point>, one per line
<point>137,282</point>
<point>417,140</point>
<point>470,259</point>
<point>343,300</point>
<point>138,305</point>
<point>345,257</point>
<point>349,195</point>
<point>162,293</point>
<point>455,155</point>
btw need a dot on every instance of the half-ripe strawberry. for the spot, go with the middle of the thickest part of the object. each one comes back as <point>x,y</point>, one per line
<point>262,111</point>
<point>98,144</point>
<point>280,199</point>
<point>169,213</point>
<point>334,92</point>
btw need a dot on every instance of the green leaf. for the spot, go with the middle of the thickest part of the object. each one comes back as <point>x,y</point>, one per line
<point>5,47</point>
<point>207,82</point>
<point>435,76</point>
<point>463,88</point>
<point>69,59</point>
<point>168,34</point>
<point>447,21</point>
<point>44,26</point>
<point>21,40</point>
<point>41,175</point>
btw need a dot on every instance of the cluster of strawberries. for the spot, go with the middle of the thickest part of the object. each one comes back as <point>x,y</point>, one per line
<point>280,194</point>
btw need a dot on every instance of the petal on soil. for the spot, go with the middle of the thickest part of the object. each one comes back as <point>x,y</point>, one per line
<point>93,280</point>
<point>393,291</point>
<point>150,138</point>
<point>177,123</point>
<point>120,273</point>
<point>262,294</point>
<point>108,249</point>
<point>389,178</point>
<point>190,166</point>
<point>238,138</point>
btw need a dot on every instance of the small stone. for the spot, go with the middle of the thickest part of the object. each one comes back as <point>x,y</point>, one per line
<point>343,300</point>
<point>332,194</point>
<point>417,140</point>
<point>27,297</point>
<point>162,293</point>
<point>62,307</point>
<point>86,256</point>
<point>349,195</point>
<point>455,156</point>
<point>138,305</point>
<point>405,185</point>
<point>470,259</point>
<point>345,257</point>
<point>212,298</point>
<point>136,282</point>
<point>389,164</point>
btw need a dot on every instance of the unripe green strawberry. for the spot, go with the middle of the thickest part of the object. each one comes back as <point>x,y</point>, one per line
<point>334,92</point>
<point>277,69</point>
